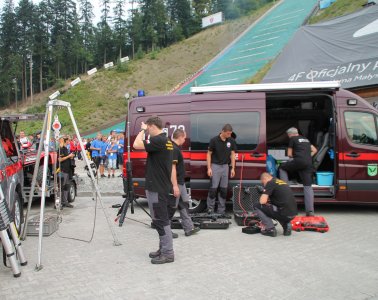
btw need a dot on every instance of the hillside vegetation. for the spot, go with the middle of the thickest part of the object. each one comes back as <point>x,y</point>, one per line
<point>337,9</point>
<point>99,100</point>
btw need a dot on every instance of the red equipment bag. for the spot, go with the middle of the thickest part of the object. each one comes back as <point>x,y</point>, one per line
<point>316,223</point>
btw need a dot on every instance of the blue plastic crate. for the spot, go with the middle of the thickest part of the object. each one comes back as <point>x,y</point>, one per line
<point>324,178</point>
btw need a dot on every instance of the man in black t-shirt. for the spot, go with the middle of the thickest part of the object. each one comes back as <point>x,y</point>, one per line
<point>158,184</point>
<point>65,170</point>
<point>301,150</point>
<point>181,197</point>
<point>220,155</point>
<point>277,202</point>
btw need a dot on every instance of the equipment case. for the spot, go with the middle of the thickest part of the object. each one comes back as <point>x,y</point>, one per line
<point>316,223</point>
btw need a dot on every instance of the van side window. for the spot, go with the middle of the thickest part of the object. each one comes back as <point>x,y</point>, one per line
<point>246,126</point>
<point>361,127</point>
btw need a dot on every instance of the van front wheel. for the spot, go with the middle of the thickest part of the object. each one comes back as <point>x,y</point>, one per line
<point>196,206</point>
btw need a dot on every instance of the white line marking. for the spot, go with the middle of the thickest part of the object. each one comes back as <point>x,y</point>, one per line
<point>256,36</point>
<point>241,57</point>
<point>250,49</point>
<point>289,13</point>
<point>215,82</point>
<point>278,26</point>
<point>273,38</point>
<point>220,74</point>
<point>282,20</point>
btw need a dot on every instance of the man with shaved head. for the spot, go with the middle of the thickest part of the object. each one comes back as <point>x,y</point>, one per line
<point>276,202</point>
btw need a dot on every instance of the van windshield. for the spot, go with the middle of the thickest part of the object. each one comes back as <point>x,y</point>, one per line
<point>246,126</point>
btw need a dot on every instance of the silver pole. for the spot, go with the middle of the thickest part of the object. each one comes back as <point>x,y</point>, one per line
<point>115,238</point>
<point>34,179</point>
<point>44,179</point>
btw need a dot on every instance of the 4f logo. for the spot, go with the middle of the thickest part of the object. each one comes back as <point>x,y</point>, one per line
<point>372,170</point>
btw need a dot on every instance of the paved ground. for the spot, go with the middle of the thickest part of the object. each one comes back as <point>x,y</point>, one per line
<point>215,264</point>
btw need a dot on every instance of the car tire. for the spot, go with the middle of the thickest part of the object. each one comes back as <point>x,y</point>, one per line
<point>18,211</point>
<point>71,191</point>
<point>196,206</point>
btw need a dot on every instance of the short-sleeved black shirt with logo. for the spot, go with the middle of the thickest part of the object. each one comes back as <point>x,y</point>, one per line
<point>221,150</point>
<point>65,165</point>
<point>159,164</point>
<point>179,161</point>
<point>281,196</point>
<point>301,148</point>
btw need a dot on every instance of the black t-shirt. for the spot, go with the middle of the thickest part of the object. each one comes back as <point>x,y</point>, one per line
<point>159,164</point>
<point>301,148</point>
<point>221,150</point>
<point>179,161</point>
<point>65,166</point>
<point>281,196</point>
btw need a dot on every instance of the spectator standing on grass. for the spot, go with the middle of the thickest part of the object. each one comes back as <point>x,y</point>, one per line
<point>112,152</point>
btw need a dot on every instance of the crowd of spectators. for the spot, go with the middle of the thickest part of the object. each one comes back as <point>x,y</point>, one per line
<point>105,151</point>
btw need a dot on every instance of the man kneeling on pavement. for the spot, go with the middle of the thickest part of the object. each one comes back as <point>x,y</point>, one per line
<point>276,202</point>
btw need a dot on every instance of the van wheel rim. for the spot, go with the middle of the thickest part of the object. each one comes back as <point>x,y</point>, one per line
<point>193,203</point>
<point>17,214</point>
<point>72,192</point>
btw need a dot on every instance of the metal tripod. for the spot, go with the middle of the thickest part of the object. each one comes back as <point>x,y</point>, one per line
<point>7,225</point>
<point>46,131</point>
<point>130,195</point>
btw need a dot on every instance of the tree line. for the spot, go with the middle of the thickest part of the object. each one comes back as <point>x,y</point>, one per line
<point>42,44</point>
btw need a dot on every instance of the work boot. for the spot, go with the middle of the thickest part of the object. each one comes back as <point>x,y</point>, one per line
<point>193,231</point>
<point>287,229</point>
<point>68,205</point>
<point>154,254</point>
<point>310,213</point>
<point>269,232</point>
<point>162,259</point>
<point>174,235</point>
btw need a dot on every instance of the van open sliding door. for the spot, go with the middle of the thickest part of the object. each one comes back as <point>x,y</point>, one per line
<point>245,112</point>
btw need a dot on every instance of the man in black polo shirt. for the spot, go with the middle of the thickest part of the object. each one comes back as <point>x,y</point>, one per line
<point>181,197</point>
<point>158,184</point>
<point>65,170</point>
<point>220,154</point>
<point>301,150</point>
<point>277,202</point>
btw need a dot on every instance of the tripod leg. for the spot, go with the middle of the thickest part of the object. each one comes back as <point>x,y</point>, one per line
<point>17,244</point>
<point>124,208</point>
<point>10,253</point>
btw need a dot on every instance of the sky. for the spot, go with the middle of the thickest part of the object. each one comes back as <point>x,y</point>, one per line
<point>95,3</point>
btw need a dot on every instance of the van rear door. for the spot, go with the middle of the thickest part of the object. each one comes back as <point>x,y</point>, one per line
<point>359,155</point>
<point>246,114</point>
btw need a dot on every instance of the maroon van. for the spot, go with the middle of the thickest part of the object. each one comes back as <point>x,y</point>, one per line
<point>341,125</point>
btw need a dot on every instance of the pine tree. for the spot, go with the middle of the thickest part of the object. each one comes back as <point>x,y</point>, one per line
<point>119,27</point>
<point>87,32</point>
<point>10,63</point>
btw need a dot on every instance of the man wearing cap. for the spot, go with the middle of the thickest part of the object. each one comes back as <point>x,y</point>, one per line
<point>301,150</point>
<point>220,154</point>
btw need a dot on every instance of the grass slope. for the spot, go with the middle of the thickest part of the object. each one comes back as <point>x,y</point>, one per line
<point>99,100</point>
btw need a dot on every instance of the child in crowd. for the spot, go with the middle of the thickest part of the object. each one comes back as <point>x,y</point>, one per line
<point>112,151</point>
